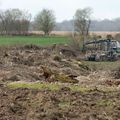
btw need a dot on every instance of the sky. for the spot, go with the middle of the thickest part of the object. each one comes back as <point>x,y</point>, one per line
<point>65,9</point>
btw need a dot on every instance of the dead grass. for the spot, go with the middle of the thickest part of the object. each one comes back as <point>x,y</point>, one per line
<point>105,65</point>
<point>68,33</point>
<point>99,33</point>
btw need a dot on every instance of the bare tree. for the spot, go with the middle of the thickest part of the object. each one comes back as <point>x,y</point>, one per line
<point>14,21</point>
<point>82,22</point>
<point>45,21</point>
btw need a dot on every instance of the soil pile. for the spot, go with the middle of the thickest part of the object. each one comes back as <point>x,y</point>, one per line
<point>35,63</point>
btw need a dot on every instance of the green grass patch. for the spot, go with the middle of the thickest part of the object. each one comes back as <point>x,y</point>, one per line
<point>34,85</point>
<point>46,85</point>
<point>58,86</point>
<point>38,40</point>
<point>80,88</point>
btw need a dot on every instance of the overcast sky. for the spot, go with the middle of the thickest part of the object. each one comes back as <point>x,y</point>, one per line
<point>65,9</point>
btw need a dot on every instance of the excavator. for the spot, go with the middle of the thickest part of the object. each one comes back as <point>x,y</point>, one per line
<point>102,50</point>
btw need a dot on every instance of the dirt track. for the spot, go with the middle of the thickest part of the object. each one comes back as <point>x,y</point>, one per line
<point>55,65</point>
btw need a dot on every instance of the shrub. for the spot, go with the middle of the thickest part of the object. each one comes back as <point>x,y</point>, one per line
<point>117,37</point>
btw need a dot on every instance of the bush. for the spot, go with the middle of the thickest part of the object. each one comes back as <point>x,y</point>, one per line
<point>117,37</point>
<point>76,42</point>
<point>109,36</point>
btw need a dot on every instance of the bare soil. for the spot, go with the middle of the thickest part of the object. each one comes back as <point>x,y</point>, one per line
<point>26,104</point>
<point>55,64</point>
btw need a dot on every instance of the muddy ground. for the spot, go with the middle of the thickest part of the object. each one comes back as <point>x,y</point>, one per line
<point>61,65</point>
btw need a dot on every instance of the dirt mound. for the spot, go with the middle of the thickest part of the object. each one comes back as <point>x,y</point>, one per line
<point>26,62</point>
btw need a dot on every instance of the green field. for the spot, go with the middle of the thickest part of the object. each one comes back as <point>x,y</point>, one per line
<point>39,40</point>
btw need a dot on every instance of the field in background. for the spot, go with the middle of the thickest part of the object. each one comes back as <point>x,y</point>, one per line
<point>12,40</point>
<point>101,33</point>
<point>38,38</point>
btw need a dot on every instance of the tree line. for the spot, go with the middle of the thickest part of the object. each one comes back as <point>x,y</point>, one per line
<point>96,25</point>
<point>16,21</point>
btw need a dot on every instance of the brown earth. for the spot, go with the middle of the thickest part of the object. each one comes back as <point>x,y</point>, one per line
<point>34,63</point>
<point>60,65</point>
<point>26,104</point>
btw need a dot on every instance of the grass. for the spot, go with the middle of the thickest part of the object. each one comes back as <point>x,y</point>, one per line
<point>39,40</point>
<point>105,102</point>
<point>57,86</point>
<point>104,65</point>
<point>40,85</point>
<point>64,105</point>
<point>46,85</point>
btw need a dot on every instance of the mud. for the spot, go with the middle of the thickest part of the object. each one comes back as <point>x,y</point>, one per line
<point>26,104</point>
<point>55,64</point>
